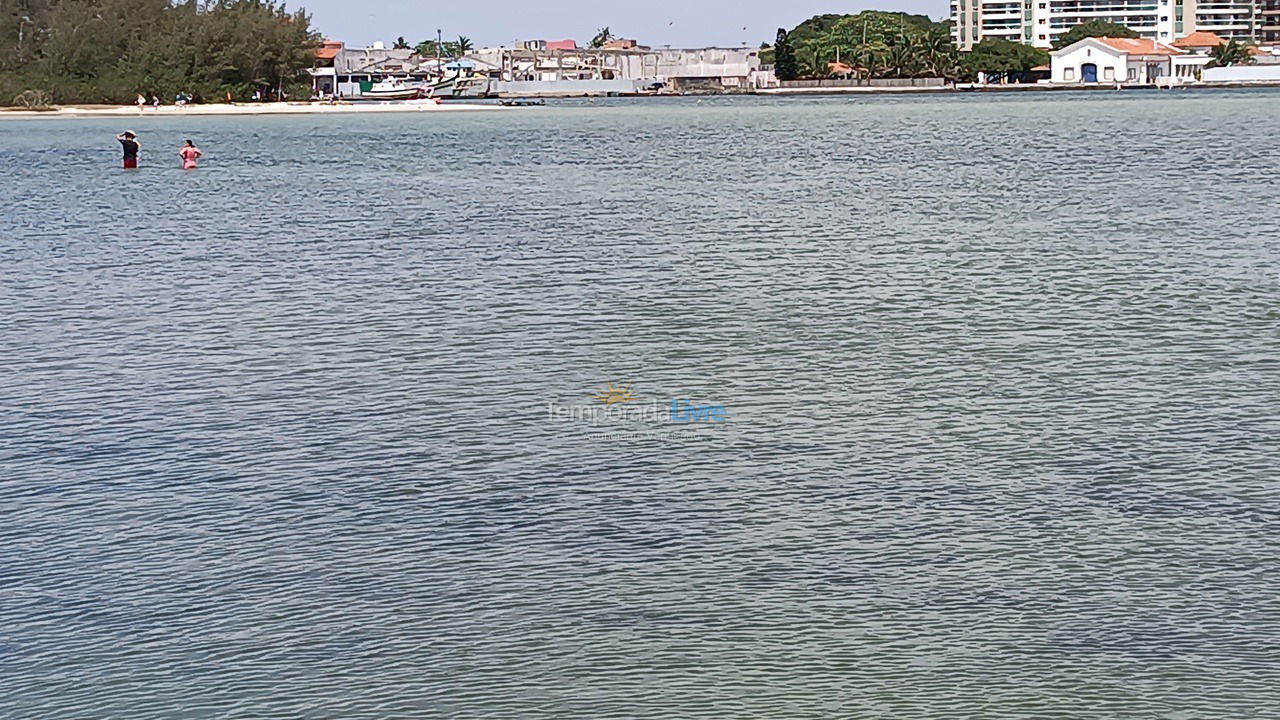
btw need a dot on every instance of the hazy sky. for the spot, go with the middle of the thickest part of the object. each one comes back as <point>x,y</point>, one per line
<point>679,23</point>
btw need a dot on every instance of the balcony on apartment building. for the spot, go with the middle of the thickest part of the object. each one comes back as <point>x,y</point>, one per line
<point>1101,7</point>
<point>1134,22</point>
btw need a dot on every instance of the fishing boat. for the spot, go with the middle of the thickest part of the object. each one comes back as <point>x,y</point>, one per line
<point>395,89</point>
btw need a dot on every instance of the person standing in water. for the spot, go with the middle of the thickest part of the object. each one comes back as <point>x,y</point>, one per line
<point>189,154</point>
<point>129,143</point>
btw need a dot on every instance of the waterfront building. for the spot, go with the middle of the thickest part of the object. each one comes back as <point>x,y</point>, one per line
<point>349,71</point>
<point>1270,21</point>
<point>1040,22</point>
<point>1124,61</point>
<point>324,80</point>
<point>623,66</point>
<point>545,68</point>
<point>1240,20</point>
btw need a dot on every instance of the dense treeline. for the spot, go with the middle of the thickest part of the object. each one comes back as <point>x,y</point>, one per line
<point>876,43</point>
<point>92,51</point>
<point>893,45</point>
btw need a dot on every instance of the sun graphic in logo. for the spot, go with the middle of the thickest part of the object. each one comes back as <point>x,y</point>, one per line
<point>615,394</point>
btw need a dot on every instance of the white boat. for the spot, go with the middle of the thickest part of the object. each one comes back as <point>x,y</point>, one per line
<point>395,89</point>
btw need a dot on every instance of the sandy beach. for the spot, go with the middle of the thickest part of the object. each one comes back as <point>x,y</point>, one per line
<point>277,108</point>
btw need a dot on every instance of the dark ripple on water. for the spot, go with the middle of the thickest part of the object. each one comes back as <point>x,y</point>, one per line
<point>1002,376</point>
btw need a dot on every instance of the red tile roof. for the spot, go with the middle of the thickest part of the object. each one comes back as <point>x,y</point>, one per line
<point>562,45</point>
<point>328,51</point>
<point>1199,39</point>
<point>1139,46</point>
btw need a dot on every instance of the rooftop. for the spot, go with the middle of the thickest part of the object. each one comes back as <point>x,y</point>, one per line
<point>1138,46</point>
<point>329,50</point>
<point>1199,39</point>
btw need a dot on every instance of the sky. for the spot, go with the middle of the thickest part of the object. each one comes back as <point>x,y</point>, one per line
<point>678,23</point>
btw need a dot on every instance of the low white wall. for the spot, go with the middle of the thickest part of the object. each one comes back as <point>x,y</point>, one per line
<point>1243,73</point>
<point>564,88</point>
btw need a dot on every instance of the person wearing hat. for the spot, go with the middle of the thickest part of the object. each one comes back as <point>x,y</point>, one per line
<point>129,142</point>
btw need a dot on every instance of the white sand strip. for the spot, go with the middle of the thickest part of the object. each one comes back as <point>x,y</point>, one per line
<point>277,108</point>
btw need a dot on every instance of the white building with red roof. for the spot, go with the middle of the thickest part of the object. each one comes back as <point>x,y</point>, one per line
<point>1123,61</point>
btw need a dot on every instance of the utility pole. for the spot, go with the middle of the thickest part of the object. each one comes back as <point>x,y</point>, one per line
<point>439,43</point>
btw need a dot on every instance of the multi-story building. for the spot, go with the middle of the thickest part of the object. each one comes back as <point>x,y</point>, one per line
<point>1270,20</point>
<point>1040,22</point>
<point>1230,19</point>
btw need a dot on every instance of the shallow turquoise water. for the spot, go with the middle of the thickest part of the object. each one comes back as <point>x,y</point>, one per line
<point>1001,377</point>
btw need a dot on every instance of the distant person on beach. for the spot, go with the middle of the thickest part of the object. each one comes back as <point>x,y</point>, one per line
<point>189,154</point>
<point>141,102</point>
<point>129,143</point>
<point>155,101</point>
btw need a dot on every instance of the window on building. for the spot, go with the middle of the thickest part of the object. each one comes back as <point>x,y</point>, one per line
<point>1042,37</point>
<point>1069,74</point>
<point>1133,73</point>
<point>1042,21</point>
<point>1042,6</point>
<point>1164,18</point>
<point>1109,74</point>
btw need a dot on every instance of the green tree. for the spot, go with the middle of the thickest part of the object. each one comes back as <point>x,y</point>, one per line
<point>1093,28</point>
<point>464,45</point>
<point>401,43</point>
<point>1004,58</point>
<point>1230,53</point>
<point>602,37</point>
<point>784,57</point>
<point>111,50</point>
<point>885,44</point>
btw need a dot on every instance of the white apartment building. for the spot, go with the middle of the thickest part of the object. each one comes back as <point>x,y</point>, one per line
<point>1040,22</point>
<point>1231,19</point>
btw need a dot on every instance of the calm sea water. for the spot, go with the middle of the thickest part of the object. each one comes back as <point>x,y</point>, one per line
<point>286,436</point>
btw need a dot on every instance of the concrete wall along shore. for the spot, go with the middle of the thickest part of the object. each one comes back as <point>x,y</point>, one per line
<point>874,82</point>
<point>562,88</point>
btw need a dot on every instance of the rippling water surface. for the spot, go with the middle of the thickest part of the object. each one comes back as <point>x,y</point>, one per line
<point>282,437</point>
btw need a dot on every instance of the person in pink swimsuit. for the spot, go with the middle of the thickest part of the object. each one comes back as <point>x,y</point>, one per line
<point>189,154</point>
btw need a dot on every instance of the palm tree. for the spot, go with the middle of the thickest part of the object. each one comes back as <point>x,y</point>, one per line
<point>1230,53</point>
<point>871,57</point>
<point>898,59</point>
<point>937,54</point>
<point>602,37</point>
<point>464,45</point>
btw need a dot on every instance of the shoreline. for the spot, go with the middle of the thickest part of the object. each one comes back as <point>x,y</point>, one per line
<point>317,108</point>
<point>277,108</point>
<point>966,88</point>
